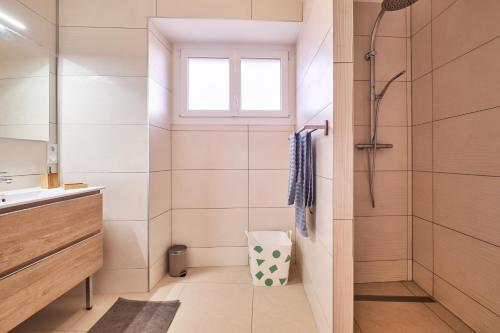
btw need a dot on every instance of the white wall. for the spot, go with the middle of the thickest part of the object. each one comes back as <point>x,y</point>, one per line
<point>314,106</point>
<point>108,135</point>
<point>160,159</point>
<point>225,180</point>
<point>104,126</point>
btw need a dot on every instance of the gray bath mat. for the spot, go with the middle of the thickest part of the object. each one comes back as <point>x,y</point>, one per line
<point>127,316</point>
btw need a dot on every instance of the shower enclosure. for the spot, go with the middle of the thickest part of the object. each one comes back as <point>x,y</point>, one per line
<point>376,98</point>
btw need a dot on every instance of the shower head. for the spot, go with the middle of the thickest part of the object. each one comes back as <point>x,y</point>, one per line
<point>392,5</point>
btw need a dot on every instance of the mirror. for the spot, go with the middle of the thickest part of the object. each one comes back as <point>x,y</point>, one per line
<point>27,72</point>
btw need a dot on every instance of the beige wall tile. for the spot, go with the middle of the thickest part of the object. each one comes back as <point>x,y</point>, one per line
<point>422,195</point>
<point>392,109</point>
<point>468,144</point>
<point>421,52</point>
<point>210,188</point>
<point>422,147</point>
<point>343,141</point>
<point>159,105</point>
<point>272,219</point>
<point>210,128</point>
<point>160,194</point>
<point>390,190</point>
<point>317,276</point>
<point>268,188</point>
<point>125,244</point>
<point>105,148</point>
<point>380,271</point>
<point>423,277</point>
<point>365,13</point>
<point>317,24</point>
<point>380,238</point>
<point>383,289</point>
<point>422,100</point>
<point>125,194</point>
<point>268,150</point>
<point>343,33</point>
<point>233,9</point>
<point>159,149</point>
<point>93,51</point>
<point>277,10</point>
<point>157,271</point>
<point>159,59</point>
<point>46,9</point>
<point>438,6</point>
<point>323,146</point>
<point>121,280</point>
<point>99,13</point>
<point>209,150</point>
<point>457,31</point>
<point>391,58</point>
<point>343,263</point>
<point>103,100</point>
<point>468,264</point>
<point>217,256</point>
<point>420,15</point>
<point>422,243</point>
<point>476,316</point>
<point>315,90</point>
<point>468,204</point>
<point>160,236</point>
<point>387,159</point>
<point>210,227</point>
<point>469,83</point>
<point>323,215</point>
<point>271,128</point>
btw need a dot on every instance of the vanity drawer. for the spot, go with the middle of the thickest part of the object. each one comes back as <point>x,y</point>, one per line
<point>24,293</point>
<point>29,234</point>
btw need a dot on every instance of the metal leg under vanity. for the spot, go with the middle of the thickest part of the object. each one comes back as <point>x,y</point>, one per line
<point>89,293</point>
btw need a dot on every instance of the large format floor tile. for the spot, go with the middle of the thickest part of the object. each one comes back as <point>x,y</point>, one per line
<point>282,310</point>
<point>395,317</point>
<point>213,299</point>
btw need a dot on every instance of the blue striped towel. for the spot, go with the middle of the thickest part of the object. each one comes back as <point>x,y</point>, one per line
<point>302,171</point>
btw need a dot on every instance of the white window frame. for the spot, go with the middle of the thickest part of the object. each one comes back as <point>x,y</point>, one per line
<point>234,55</point>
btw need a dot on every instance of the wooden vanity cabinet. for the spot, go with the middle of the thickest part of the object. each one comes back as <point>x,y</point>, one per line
<point>45,251</point>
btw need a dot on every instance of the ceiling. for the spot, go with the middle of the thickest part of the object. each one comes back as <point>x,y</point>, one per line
<point>179,30</point>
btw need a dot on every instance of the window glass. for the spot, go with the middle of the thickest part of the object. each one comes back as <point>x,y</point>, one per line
<point>208,84</point>
<point>260,84</point>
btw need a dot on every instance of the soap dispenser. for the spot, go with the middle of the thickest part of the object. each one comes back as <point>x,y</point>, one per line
<point>49,179</point>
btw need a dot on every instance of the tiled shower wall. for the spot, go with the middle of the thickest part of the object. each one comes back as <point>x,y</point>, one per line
<point>382,235</point>
<point>314,106</point>
<point>456,156</point>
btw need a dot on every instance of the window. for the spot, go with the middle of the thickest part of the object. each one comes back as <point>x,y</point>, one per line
<point>233,83</point>
<point>261,84</point>
<point>208,84</point>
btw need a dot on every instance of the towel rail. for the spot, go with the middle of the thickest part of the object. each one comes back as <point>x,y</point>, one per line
<point>315,128</point>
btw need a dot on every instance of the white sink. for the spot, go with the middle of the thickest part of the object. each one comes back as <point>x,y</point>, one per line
<point>21,195</point>
<point>35,194</point>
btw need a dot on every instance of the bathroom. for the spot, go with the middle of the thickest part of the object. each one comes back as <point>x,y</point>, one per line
<point>169,122</point>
